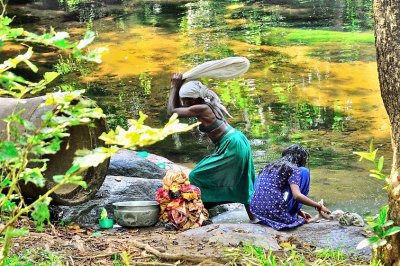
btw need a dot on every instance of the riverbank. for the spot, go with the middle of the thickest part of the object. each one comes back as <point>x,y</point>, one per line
<point>76,236</point>
<point>215,244</point>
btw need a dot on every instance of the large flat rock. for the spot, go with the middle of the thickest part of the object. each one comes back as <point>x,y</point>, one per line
<point>325,234</point>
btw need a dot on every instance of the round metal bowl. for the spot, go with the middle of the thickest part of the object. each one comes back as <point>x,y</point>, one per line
<point>136,213</point>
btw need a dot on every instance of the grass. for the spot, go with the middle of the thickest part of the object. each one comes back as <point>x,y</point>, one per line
<point>36,257</point>
<point>291,36</point>
<point>292,254</point>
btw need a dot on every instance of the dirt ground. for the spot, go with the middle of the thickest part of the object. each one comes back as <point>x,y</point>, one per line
<point>93,246</point>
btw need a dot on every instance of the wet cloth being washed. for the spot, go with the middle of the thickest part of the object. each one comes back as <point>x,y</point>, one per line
<point>227,174</point>
<point>180,202</point>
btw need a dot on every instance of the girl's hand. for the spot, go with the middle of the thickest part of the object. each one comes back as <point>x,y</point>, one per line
<point>176,81</point>
<point>305,215</point>
<point>323,209</point>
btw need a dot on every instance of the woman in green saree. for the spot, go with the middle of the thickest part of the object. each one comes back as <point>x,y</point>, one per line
<point>227,174</point>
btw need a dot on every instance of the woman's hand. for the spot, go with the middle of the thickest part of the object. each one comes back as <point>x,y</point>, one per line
<point>176,81</point>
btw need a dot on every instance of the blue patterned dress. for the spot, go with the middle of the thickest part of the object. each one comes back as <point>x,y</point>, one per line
<point>269,203</point>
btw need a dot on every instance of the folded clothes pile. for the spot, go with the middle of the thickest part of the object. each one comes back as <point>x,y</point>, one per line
<point>180,202</point>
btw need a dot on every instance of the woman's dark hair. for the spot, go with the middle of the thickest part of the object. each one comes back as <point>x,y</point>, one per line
<point>293,157</point>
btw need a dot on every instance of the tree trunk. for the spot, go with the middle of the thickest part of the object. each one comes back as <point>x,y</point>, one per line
<point>387,32</point>
<point>81,137</point>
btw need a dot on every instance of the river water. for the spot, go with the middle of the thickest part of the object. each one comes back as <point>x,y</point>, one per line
<point>312,81</point>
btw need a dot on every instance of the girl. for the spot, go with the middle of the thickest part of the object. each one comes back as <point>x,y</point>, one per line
<point>282,188</point>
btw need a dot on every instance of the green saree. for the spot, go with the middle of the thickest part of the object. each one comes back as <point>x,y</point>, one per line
<point>227,174</point>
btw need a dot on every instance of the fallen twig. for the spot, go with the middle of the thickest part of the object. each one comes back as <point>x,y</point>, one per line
<point>97,256</point>
<point>72,261</point>
<point>152,264</point>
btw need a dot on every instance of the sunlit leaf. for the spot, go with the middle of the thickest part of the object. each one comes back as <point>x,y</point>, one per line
<point>50,76</point>
<point>31,66</point>
<point>381,242</point>
<point>5,20</point>
<point>391,231</point>
<point>377,176</point>
<point>94,157</point>
<point>367,242</point>
<point>380,163</point>
<point>370,156</point>
<point>34,176</point>
<point>58,178</point>
<point>89,37</point>
<point>388,223</point>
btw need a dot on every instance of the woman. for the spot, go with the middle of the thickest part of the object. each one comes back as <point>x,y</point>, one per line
<point>282,188</point>
<point>226,175</point>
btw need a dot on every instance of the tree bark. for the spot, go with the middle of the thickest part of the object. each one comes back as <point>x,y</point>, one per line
<point>387,40</point>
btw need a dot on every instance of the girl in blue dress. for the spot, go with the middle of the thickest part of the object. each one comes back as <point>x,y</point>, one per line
<point>281,189</point>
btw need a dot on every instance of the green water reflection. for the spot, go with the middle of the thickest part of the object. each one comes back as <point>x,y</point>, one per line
<point>312,81</point>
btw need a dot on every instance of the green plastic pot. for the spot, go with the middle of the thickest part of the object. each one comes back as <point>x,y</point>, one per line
<point>106,223</point>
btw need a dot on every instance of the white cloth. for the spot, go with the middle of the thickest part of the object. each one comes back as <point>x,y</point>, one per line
<point>196,89</point>
<point>226,68</point>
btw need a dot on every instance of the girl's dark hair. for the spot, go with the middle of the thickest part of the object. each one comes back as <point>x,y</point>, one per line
<point>293,157</point>
<point>296,154</point>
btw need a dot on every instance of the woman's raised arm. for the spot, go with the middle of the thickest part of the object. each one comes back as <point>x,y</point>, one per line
<point>174,101</point>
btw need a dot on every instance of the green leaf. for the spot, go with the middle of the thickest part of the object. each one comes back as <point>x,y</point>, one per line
<point>6,182</point>
<point>382,217</point>
<point>103,214</point>
<point>370,156</point>
<point>5,21</point>
<point>380,164</point>
<point>8,151</point>
<point>80,183</point>
<point>58,178</point>
<point>377,176</point>
<point>31,66</point>
<point>391,231</point>
<point>73,169</point>
<point>50,76</point>
<point>41,213</point>
<point>8,206</point>
<point>16,232</point>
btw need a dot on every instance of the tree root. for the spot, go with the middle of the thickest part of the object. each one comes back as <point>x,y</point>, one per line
<point>175,257</point>
<point>151,264</point>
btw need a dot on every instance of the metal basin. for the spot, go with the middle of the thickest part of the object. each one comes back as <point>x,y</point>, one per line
<point>136,213</point>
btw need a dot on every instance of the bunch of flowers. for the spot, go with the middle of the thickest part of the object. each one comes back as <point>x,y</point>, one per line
<point>180,202</point>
